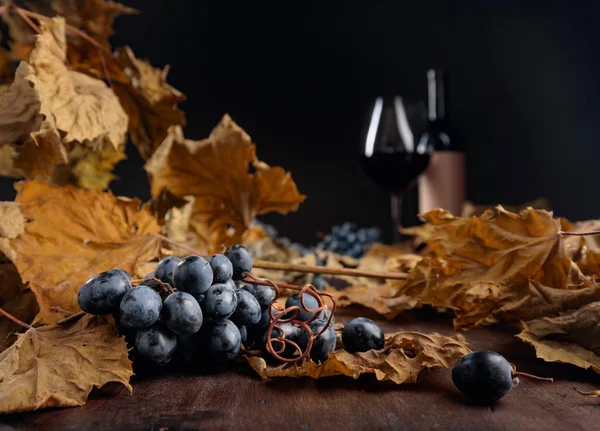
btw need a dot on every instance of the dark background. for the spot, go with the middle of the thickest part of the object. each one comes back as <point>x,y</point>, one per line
<point>298,77</point>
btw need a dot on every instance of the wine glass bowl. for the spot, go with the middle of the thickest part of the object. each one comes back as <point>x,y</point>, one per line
<point>392,155</point>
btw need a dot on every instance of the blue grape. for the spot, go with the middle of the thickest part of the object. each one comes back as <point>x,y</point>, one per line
<point>223,340</point>
<point>219,302</point>
<point>181,313</point>
<point>483,376</point>
<point>102,293</point>
<point>193,275</point>
<point>248,309</point>
<point>156,343</point>
<point>362,334</point>
<point>125,273</point>
<point>263,294</point>
<point>256,332</point>
<point>241,260</point>
<point>151,283</point>
<point>325,343</point>
<point>221,267</point>
<point>243,334</point>
<point>349,240</point>
<point>319,282</point>
<point>140,307</point>
<point>164,269</point>
<point>309,303</point>
<point>231,284</point>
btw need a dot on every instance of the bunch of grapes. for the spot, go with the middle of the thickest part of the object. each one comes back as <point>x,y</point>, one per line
<point>350,240</point>
<point>199,309</point>
<point>193,306</point>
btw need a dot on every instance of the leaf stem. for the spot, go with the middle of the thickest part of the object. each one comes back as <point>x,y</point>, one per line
<point>312,269</point>
<point>14,319</point>
<point>71,317</point>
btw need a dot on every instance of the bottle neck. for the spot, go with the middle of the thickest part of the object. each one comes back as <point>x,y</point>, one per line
<point>435,92</point>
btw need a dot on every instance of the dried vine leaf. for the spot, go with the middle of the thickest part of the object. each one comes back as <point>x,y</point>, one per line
<point>16,299</point>
<point>405,355</point>
<point>150,102</point>
<point>570,338</point>
<point>500,266</point>
<point>379,299</point>
<point>71,235</point>
<point>584,250</point>
<point>52,115</point>
<point>58,365</point>
<point>230,186</point>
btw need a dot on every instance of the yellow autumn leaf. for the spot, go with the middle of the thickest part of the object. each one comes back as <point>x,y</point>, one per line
<point>570,338</point>
<point>58,365</point>
<point>404,356</point>
<point>228,183</point>
<point>499,266</point>
<point>71,235</point>
<point>52,115</point>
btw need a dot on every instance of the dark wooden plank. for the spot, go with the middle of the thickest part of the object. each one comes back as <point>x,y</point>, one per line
<point>236,399</point>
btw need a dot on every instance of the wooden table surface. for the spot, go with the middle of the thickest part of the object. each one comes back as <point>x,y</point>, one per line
<point>235,398</point>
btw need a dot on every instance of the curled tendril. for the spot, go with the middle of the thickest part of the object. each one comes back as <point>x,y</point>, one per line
<point>277,345</point>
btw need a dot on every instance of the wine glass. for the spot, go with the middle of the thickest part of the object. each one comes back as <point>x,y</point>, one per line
<point>392,155</point>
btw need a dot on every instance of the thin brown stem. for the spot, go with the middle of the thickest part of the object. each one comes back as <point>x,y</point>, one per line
<point>14,319</point>
<point>71,317</point>
<point>591,232</point>
<point>532,376</point>
<point>61,310</point>
<point>22,13</point>
<point>282,266</point>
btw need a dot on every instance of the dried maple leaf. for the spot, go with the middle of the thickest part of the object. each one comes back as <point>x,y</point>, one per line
<point>150,102</point>
<point>58,365</point>
<point>570,338</point>
<point>94,17</point>
<point>379,299</point>
<point>52,115</point>
<point>16,299</point>
<point>229,185</point>
<point>404,356</point>
<point>500,266</point>
<point>585,251</point>
<point>71,235</point>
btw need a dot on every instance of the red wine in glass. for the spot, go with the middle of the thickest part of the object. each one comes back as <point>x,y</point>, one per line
<point>391,155</point>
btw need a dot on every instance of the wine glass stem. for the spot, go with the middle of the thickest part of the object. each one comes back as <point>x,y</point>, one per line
<point>396,207</point>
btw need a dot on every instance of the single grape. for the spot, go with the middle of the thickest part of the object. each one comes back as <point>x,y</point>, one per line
<point>319,282</point>
<point>483,376</point>
<point>140,307</point>
<point>241,260</point>
<point>248,309</point>
<point>309,303</point>
<point>256,332</point>
<point>362,334</point>
<point>153,284</point>
<point>325,343</point>
<point>164,269</point>
<point>221,267</point>
<point>231,284</point>
<point>263,294</point>
<point>125,273</point>
<point>193,275</point>
<point>223,340</point>
<point>219,302</point>
<point>102,293</point>
<point>243,334</point>
<point>156,343</point>
<point>181,313</point>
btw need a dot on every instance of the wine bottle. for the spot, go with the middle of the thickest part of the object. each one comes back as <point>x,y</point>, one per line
<point>442,185</point>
